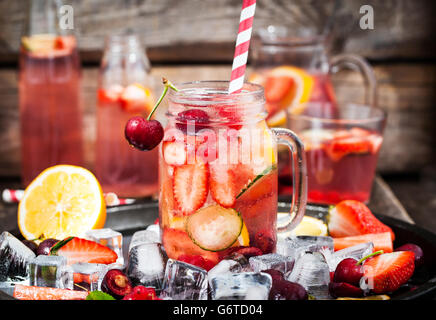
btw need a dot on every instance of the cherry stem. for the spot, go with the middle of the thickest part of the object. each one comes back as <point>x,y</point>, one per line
<point>167,83</point>
<point>369,256</point>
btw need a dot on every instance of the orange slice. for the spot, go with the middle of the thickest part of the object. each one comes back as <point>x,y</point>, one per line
<point>62,201</point>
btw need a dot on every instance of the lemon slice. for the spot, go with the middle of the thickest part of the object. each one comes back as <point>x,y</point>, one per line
<point>378,297</point>
<point>62,201</point>
<point>278,119</point>
<point>244,238</point>
<point>309,226</point>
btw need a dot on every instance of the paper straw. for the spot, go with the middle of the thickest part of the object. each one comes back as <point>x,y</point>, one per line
<point>242,45</point>
<point>111,199</point>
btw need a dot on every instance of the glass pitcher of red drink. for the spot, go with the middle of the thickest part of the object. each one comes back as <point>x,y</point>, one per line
<point>218,173</point>
<point>49,93</point>
<point>295,69</point>
<point>125,90</point>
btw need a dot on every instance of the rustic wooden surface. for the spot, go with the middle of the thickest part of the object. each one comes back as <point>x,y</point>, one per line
<point>383,201</point>
<point>204,30</point>
<point>406,92</point>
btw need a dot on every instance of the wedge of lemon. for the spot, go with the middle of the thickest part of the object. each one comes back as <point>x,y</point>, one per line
<point>309,226</point>
<point>62,201</point>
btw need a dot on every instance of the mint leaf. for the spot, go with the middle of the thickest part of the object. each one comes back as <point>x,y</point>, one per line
<point>99,295</point>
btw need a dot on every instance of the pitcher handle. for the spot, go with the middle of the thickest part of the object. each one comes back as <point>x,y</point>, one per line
<point>299,177</point>
<point>356,62</point>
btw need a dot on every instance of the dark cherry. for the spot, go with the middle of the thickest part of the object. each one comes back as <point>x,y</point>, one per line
<point>264,242</point>
<point>343,289</point>
<point>143,134</point>
<point>419,254</point>
<point>116,283</point>
<point>348,271</point>
<point>31,245</point>
<point>286,290</point>
<point>276,275</point>
<point>45,246</point>
<point>198,117</point>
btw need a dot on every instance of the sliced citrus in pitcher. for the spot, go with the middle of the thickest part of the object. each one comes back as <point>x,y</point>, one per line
<point>62,201</point>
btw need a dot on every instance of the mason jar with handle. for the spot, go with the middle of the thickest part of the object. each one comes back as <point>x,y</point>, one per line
<point>218,173</point>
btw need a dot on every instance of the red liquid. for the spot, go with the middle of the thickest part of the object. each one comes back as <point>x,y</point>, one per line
<point>50,112</point>
<point>335,176</point>
<point>120,168</point>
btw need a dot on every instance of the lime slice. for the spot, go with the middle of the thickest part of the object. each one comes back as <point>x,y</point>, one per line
<point>214,228</point>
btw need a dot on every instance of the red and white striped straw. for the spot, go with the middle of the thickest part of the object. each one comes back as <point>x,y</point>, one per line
<point>242,45</point>
<point>111,199</point>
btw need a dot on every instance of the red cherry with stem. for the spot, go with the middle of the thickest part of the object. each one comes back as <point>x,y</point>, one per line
<point>348,271</point>
<point>143,134</point>
<point>146,134</point>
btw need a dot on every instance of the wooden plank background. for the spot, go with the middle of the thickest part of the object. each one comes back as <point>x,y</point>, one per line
<point>194,40</point>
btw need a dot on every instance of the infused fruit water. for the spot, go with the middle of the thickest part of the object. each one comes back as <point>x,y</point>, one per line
<point>341,163</point>
<point>119,167</point>
<point>49,98</point>
<point>218,175</point>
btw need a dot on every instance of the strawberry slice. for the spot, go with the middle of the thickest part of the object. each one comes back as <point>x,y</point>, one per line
<point>23,292</point>
<point>110,95</point>
<point>277,87</point>
<point>381,241</point>
<point>387,272</point>
<point>339,148</point>
<point>81,250</point>
<point>352,218</point>
<point>222,184</point>
<point>174,153</point>
<point>178,244</point>
<point>190,186</point>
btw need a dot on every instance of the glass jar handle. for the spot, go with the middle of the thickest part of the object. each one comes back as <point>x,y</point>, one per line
<point>356,62</point>
<point>299,177</point>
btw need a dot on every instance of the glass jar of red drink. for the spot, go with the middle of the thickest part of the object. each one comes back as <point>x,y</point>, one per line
<point>125,90</point>
<point>218,173</point>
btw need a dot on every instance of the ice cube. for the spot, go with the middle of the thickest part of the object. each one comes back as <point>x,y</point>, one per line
<point>356,252</point>
<point>312,272</point>
<point>14,258</point>
<point>109,238</point>
<point>50,271</point>
<point>154,228</point>
<point>240,258</point>
<point>224,266</point>
<point>295,246</point>
<point>271,261</point>
<point>144,236</point>
<point>184,281</point>
<point>146,265</point>
<point>241,286</point>
<point>88,276</point>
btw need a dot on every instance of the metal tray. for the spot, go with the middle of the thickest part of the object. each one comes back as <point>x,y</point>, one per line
<point>130,218</point>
